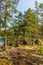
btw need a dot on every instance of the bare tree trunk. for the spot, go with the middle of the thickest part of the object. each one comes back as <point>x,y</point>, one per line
<point>5,25</point>
<point>0,14</point>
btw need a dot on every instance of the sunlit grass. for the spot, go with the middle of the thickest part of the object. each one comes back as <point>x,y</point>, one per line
<point>41,50</point>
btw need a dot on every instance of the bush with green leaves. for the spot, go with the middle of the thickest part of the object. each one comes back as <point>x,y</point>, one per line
<point>41,50</point>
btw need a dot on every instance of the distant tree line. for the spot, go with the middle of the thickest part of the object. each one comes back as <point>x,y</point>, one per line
<point>17,25</point>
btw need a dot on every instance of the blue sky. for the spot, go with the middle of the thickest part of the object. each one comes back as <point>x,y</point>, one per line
<point>25,4</point>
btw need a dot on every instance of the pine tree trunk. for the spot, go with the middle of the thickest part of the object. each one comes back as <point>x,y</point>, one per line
<point>0,14</point>
<point>6,25</point>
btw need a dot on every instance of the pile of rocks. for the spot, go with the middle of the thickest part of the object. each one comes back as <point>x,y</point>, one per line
<point>24,57</point>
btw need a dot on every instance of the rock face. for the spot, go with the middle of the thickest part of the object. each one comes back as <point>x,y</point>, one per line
<point>24,57</point>
<point>18,56</point>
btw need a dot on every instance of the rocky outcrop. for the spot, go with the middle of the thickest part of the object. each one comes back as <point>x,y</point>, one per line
<point>24,57</point>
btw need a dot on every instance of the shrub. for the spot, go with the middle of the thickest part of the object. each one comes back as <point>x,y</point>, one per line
<point>41,50</point>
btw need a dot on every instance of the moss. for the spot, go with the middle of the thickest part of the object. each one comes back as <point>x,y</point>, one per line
<point>41,50</point>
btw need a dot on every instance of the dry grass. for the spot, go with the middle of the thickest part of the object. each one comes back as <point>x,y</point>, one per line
<point>28,47</point>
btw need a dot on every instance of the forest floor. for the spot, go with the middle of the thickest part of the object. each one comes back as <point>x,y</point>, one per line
<point>25,55</point>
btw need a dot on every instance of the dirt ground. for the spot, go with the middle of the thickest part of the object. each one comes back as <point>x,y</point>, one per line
<point>25,55</point>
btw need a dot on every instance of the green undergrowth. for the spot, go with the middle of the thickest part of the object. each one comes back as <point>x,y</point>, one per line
<point>41,50</point>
